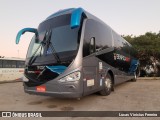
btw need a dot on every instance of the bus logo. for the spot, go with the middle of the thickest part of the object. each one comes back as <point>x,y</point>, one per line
<point>6,114</point>
<point>121,57</point>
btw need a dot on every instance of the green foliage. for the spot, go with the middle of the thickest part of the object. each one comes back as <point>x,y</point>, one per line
<point>147,45</point>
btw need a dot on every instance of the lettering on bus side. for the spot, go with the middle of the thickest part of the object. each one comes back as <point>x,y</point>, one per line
<point>10,71</point>
<point>121,57</point>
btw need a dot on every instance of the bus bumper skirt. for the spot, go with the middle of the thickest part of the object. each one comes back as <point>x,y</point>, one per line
<point>55,94</point>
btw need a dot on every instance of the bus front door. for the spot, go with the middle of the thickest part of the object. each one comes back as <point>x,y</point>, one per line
<point>89,75</point>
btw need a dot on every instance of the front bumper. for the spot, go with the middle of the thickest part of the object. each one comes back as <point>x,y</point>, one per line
<point>55,94</point>
<point>59,90</point>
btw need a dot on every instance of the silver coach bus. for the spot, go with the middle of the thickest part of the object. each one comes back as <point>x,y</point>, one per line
<point>74,54</point>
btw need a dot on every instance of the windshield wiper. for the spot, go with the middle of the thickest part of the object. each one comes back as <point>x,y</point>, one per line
<point>33,57</point>
<point>46,42</point>
<point>49,45</point>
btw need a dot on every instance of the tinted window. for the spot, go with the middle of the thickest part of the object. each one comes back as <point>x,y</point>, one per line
<point>104,36</point>
<point>0,63</point>
<point>6,64</point>
<point>92,45</point>
<point>120,43</point>
<point>13,64</point>
<point>54,22</point>
<point>101,33</point>
<point>117,40</point>
<point>55,36</point>
<point>9,64</point>
<point>64,38</point>
<point>126,46</point>
<point>33,48</point>
<point>20,64</point>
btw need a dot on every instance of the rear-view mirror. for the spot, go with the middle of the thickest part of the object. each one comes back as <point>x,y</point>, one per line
<point>76,18</point>
<point>21,32</point>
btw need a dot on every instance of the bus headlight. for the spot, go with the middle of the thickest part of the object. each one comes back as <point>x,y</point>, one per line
<point>71,77</point>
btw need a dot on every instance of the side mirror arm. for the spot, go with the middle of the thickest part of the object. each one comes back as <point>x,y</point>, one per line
<point>21,32</point>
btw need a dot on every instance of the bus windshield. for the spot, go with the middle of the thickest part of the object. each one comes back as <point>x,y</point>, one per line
<point>55,38</point>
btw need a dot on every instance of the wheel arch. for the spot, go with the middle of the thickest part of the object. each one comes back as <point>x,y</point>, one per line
<point>112,75</point>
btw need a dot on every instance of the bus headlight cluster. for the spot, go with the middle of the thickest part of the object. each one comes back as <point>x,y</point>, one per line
<point>71,77</point>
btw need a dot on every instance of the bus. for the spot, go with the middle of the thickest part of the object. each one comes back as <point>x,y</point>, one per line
<point>11,69</point>
<point>74,54</point>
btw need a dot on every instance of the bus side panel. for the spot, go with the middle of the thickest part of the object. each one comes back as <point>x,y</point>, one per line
<point>116,66</point>
<point>90,81</point>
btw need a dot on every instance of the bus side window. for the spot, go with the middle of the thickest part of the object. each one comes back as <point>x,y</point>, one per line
<point>92,45</point>
<point>0,63</point>
<point>20,64</point>
<point>6,64</point>
<point>13,64</point>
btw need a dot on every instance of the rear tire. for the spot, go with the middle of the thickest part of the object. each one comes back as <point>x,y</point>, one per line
<point>108,86</point>
<point>135,78</point>
<point>136,74</point>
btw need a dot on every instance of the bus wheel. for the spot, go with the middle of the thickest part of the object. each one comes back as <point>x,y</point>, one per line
<point>78,98</point>
<point>107,86</point>
<point>136,74</point>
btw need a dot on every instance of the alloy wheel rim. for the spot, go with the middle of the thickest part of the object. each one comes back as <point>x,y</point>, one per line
<point>108,83</point>
<point>135,76</point>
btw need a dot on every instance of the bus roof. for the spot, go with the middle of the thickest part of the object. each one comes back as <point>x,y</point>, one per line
<point>75,15</point>
<point>12,58</point>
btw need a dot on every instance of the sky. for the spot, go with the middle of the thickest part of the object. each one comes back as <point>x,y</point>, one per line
<point>126,17</point>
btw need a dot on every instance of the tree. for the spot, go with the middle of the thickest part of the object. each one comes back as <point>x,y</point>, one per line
<point>147,46</point>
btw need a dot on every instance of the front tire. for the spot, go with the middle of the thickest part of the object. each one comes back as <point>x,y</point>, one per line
<point>108,86</point>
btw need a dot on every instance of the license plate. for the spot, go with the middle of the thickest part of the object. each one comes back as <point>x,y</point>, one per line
<point>41,88</point>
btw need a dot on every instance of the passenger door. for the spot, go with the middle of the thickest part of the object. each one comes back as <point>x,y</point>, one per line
<point>90,69</point>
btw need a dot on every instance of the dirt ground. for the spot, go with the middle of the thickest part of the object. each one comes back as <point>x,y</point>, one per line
<point>143,95</point>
